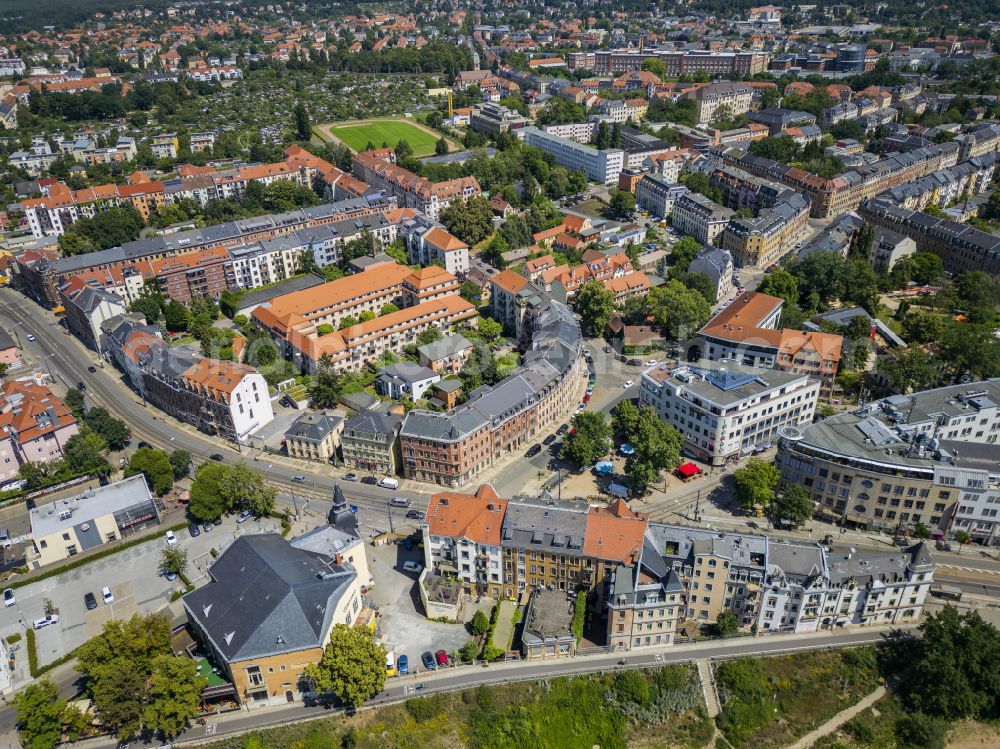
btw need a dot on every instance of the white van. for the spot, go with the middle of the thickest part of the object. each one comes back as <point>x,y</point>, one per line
<point>389,483</point>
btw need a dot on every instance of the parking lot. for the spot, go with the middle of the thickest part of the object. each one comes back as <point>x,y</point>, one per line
<point>134,578</point>
<point>405,630</point>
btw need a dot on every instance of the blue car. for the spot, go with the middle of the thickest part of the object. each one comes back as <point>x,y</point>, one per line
<point>428,659</point>
<point>403,666</point>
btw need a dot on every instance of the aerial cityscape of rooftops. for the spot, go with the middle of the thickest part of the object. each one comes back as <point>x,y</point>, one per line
<point>381,374</point>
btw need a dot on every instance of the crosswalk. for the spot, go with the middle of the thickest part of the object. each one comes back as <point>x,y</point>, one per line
<point>977,570</point>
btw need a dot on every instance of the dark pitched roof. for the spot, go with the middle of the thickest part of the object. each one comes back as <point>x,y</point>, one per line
<point>267,597</point>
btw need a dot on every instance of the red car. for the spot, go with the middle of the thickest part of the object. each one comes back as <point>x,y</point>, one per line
<point>441,657</point>
<point>586,398</point>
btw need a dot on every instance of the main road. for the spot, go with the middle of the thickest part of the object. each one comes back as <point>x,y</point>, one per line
<point>68,361</point>
<point>465,677</point>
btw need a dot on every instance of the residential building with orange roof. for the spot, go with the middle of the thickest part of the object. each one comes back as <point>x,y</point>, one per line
<point>35,426</point>
<point>462,535</point>
<point>747,332</point>
<point>505,287</point>
<point>428,242</point>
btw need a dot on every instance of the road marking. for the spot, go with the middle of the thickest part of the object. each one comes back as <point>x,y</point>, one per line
<point>210,729</point>
<point>980,570</point>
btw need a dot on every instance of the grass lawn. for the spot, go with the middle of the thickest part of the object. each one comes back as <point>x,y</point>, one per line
<point>592,207</point>
<point>357,136</point>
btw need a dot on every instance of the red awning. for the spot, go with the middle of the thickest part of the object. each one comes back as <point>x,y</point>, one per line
<point>687,470</point>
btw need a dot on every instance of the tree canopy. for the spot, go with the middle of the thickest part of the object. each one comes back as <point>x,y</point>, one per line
<point>755,483</point>
<point>352,667</point>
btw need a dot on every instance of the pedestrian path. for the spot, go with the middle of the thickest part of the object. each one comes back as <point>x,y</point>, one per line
<point>708,688</point>
<point>838,720</point>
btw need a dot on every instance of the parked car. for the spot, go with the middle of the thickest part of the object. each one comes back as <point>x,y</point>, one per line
<point>414,567</point>
<point>45,621</point>
<point>31,337</point>
<point>628,383</point>
<point>350,477</point>
<point>8,597</point>
<point>171,538</point>
<point>170,575</point>
<point>415,515</point>
<point>370,480</point>
<point>399,502</point>
<point>403,665</point>
<point>92,369</point>
<point>216,456</point>
<point>108,596</point>
<point>207,527</point>
<point>942,546</point>
<point>441,657</point>
<point>143,443</point>
<point>90,601</point>
<point>299,479</point>
<point>81,385</point>
<point>243,516</point>
<point>217,521</point>
<point>428,660</point>
<point>194,530</point>
<point>533,450</point>
<point>651,363</point>
<point>549,440</point>
<point>562,430</point>
<point>388,482</point>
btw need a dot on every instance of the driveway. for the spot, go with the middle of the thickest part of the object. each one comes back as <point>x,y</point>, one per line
<point>134,578</point>
<point>404,628</point>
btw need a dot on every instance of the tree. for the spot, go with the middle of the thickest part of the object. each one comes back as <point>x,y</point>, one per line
<point>173,559</point>
<point>908,369</point>
<point>441,146</point>
<point>725,624</point>
<point>480,623</point>
<point>429,336</point>
<point>352,667</point>
<point>923,326</point>
<point>75,402</point>
<point>683,252</point>
<point>177,317</point>
<point>969,349</point>
<point>861,243</point>
<point>516,232</point>
<point>366,316</point>
<point>84,453</point>
<point>243,488</point>
<point>205,501</point>
<point>821,278</point>
<point>173,694</point>
<point>388,309</point>
<point>327,386</point>
<point>180,463</point>
<point>595,304</point>
<point>678,309</point>
<point>793,505</point>
<point>303,128</point>
<point>39,715</point>
<point>602,139</point>
<point>470,220</point>
<point>113,431</point>
<point>622,204</point>
<point>656,66</point>
<point>489,329</point>
<point>155,466</point>
<point>755,483</point>
<point>657,449</point>
<point>926,267</point>
<point>590,441</point>
<point>625,419</point>
<point>781,284</point>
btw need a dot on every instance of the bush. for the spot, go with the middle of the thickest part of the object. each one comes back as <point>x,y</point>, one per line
<point>631,686</point>
<point>32,653</point>
<point>469,651</point>
<point>480,623</point>
<point>423,709</point>
<point>922,730</point>
<point>16,637</point>
<point>579,612</point>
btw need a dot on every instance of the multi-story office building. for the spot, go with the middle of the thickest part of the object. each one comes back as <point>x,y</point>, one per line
<point>724,410</point>
<point>657,195</point>
<point>699,217</point>
<point>713,62</point>
<point>929,458</point>
<point>747,332</point>
<point>602,166</point>
<point>494,119</point>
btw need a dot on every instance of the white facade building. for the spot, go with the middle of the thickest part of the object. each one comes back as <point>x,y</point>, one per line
<point>602,166</point>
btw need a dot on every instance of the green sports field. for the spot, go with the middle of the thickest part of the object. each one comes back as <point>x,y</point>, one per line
<point>357,136</point>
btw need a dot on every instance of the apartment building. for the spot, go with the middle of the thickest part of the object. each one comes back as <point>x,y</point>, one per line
<point>961,247</point>
<point>657,195</point>
<point>713,62</point>
<point>428,242</point>
<point>88,308</point>
<point>228,399</point>
<point>699,217</point>
<point>929,457</point>
<point>378,169</point>
<point>602,166</point>
<point>746,331</point>
<point>462,539</point>
<point>60,207</point>
<point>724,410</point>
<point>581,132</point>
<point>717,264</point>
<point>453,447</point>
<point>314,435</point>
<point>603,268</point>
<point>43,276</point>
<point>758,242</point>
<point>716,98</point>
<point>194,275</point>
<point>982,139</point>
<point>36,425</point>
<point>370,440</point>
